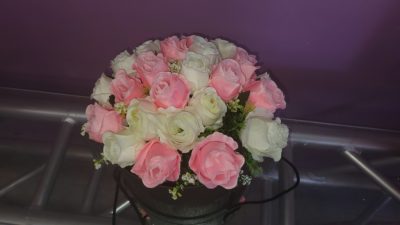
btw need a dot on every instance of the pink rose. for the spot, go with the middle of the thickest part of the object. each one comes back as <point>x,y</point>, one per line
<point>215,161</point>
<point>227,79</point>
<point>243,57</point>
<point>246,63</point>
<point>148,65</point>
<point>264,93</point>
<point>173,48</point>
<point>125,88</point>
<point>101,120</point>
<point>170,89</point>
<point>156,163</point>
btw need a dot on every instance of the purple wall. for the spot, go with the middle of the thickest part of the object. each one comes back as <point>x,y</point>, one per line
<point>337,61</point>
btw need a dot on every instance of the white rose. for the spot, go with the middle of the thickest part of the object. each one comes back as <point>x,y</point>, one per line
<point>226,48</point>
<point>264,137</point>
<point>124,61</point>
<point>149,46</point>
<point>142,117</point>
<point>196,69</point>
<point>102,91</point>
<point>209,107</point>
<point>121,148</point>
<point>203,47</point>
<point>180,130</point>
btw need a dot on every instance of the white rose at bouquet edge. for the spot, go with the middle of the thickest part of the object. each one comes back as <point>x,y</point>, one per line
<point>121,148</point>
<point>102,91</point>
<point>208,106</point>
<point>180,130</point>
<point>142,117</point>
<point>225,48</point>
<point>264,137</point>
<point>149,46</point>
<point>124,61</point>
<point>196,69</point>
<point>203,47</point>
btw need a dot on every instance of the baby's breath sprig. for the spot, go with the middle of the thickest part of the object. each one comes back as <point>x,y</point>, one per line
<point>174,66</point>
<point>83,129</point>
<point>245,179</point>
<point>176,191</point>
<point>189,178</point>
<point>185,180</point>
<point>98,163</point>
<point>120,108</point>
<point>235,106</point>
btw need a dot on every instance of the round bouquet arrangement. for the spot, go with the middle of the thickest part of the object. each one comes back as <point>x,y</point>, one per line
<point>188,111</point>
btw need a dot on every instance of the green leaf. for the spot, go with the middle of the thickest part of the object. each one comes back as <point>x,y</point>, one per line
<point>254,167</point>
<point>243,97</point>
<point>206,132</point>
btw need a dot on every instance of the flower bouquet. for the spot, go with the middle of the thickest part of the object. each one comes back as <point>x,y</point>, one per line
<point>187,112</point>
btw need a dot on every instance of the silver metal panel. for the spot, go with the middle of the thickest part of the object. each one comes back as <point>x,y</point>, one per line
<point>374,174</point>
<point>12,215</point>
<point>368,214</point>
<point>53,165</point>
<point>286,179</point>
<point>25,178</point>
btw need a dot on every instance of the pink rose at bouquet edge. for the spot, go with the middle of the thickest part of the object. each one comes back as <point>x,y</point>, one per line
<point>126,88</point>
<point>170,90</point>
<point>243,57</point>
<point>215,161</point>
<point>227,79</point>
<point>247,64</point>
<point>156,163</point>
<point>265,94</point>
<point>101,120</point>
<point>174,48</point>
<point>148,65</point>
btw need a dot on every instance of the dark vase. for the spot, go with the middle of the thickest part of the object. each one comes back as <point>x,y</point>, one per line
<point>197,206</point>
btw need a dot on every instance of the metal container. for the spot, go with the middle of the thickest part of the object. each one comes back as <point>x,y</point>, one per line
<point>197,206</point>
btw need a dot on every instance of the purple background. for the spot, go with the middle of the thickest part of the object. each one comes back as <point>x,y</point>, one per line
<point>336,60</point>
